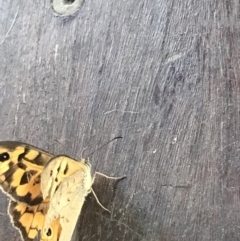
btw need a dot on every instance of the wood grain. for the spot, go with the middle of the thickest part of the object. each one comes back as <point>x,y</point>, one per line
<point>164,75</point>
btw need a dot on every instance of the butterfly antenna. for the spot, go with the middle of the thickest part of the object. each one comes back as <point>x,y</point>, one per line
<point>118,137</point>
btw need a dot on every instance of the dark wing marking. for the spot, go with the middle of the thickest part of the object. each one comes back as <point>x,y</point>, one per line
<point>29,220</point>
<point>20,171</point>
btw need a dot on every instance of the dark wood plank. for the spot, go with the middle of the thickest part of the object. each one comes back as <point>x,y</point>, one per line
<point>164,75</point>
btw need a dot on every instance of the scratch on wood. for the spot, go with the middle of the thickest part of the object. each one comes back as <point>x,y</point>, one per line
<point>131,112</point>
<point>14,20</point>
<point>127,226</point>
<point>176,186</point>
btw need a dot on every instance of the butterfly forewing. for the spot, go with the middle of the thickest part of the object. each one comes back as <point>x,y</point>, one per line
<point>20,169</point>
<point>20,175</point>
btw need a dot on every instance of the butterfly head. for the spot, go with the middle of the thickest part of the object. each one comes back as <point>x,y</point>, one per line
<point>86,162</point>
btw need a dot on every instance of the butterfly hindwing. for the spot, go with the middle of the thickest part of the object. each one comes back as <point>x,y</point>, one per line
<point>28,219</point>
<point>20,169</point>
<point>67,183</point>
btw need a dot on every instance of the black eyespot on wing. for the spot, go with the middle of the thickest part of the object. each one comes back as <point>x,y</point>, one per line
<point>51,173</point>
<point>56,179</point>
<point>4,157</point>
<point>49,232</point>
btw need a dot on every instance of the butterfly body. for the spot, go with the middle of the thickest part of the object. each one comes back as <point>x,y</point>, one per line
<point>47,192</point>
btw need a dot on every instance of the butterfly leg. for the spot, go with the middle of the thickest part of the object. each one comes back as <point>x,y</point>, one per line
<point>94,194</point>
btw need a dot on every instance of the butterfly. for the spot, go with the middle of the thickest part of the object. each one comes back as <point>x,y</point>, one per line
<point>46,192</point>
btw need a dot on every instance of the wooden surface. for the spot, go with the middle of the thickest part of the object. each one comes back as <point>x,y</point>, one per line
<point>164,75</point>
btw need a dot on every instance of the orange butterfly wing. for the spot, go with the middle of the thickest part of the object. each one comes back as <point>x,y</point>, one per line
<point>21,166</point>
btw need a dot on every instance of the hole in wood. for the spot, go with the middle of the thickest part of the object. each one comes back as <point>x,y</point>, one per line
<point>69,2</point>
<point>66,7</point>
